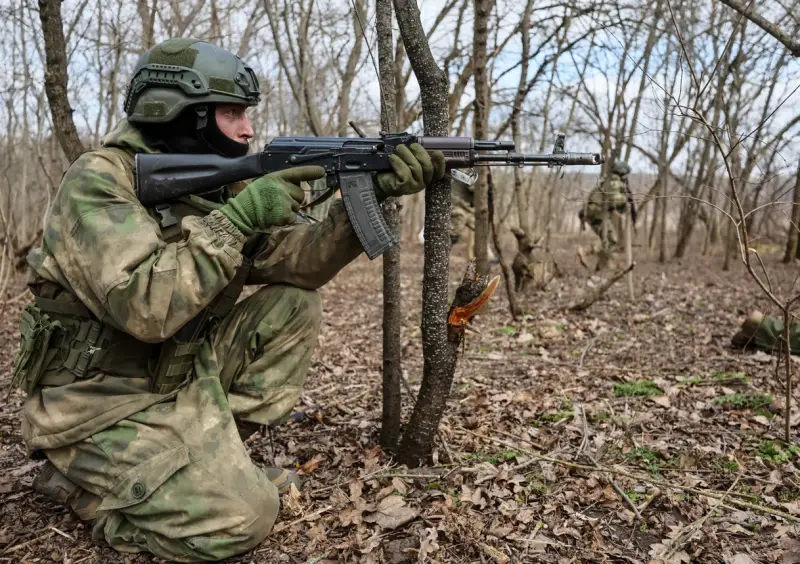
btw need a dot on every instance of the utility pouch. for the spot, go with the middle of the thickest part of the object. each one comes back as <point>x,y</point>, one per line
<point>36,329</point>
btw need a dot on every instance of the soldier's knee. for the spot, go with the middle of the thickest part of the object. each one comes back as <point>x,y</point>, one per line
<point>291,305</point>
<point>236,540</point>
<point>252,535</point>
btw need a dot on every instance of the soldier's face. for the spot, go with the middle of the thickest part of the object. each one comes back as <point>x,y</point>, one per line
<point>233,122</point>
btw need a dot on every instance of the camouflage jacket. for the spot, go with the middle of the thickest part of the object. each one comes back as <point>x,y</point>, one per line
<point>104,248</point>
<point>600,200</point>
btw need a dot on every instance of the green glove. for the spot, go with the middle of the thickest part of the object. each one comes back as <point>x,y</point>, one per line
<point>414,169</point>
<point>271,200</point>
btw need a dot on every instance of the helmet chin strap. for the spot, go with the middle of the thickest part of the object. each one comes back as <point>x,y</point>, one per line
<point>208,133</point>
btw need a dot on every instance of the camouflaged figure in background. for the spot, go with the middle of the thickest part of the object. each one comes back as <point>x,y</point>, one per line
<point>114,280</point>
<point>604,209</point>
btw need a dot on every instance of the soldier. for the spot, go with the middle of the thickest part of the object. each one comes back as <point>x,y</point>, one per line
<point>765,332</point>
<point>604,210</point>
<point>141,428</point>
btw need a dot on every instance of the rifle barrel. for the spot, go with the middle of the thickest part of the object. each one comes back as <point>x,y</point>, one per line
<point>553,159</point>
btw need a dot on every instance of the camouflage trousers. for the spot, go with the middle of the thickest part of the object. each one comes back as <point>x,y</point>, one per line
<point>610,230</point>
<point>175,479</point>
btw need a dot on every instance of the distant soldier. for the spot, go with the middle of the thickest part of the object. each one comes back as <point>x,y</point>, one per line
<point>605,207</point>
<point>765,332</point>
<point>462,214</point>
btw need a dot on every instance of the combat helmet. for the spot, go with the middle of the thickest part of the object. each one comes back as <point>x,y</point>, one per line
<point>620,167</point>
<point>180,73</point>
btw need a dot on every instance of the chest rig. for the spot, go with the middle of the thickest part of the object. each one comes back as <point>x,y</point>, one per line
<point>175,358</point>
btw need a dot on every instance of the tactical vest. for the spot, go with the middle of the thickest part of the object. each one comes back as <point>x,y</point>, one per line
<point>62,341</point>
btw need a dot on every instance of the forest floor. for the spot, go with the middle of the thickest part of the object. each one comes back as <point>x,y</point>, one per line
<point>557,425</point>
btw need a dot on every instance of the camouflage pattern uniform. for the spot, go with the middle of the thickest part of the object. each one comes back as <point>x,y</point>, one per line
<point>604,209</point>
<point>765,332</point>
<point>173,475</point>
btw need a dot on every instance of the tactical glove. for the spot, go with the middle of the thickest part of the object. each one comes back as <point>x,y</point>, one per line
<point>272,200</point>
<point>413,168</point>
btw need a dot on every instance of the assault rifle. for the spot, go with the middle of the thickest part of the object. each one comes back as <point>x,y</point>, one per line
<point>349,163</point>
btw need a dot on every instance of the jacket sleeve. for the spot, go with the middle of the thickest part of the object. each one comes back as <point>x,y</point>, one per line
<point>308,255</point>
<point>116,261</point>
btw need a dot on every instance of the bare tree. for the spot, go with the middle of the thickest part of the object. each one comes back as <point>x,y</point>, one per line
<point>439,358</point>
<point>482,9</point>
<point>55,82</point>
<point>392,306</point>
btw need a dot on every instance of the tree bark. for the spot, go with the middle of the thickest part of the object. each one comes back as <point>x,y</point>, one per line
<point>792,247</point>
<point>55,78</point>
<point>480,127</point>
<point>439,358</point>
<point>392,301</point>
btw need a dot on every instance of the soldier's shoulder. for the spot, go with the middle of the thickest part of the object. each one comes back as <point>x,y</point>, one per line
<point>101,164</point>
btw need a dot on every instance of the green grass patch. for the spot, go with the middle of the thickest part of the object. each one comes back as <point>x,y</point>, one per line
<point>635,497</point>
<point>763,411</point>
<point>730,376</point>
<point>744,401</point>
<point>652,461</point>
<point>789,494</point>
<point>777,451</point>
<point>507,330</point>
<point>556,416</point>
<point>640,388</point>
<point>724,466</point>
<point>503,456</point>
<point>693,381</point>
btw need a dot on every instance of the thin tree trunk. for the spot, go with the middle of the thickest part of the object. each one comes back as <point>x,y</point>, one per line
<point>55,78</point>
<point>392,302</point>
<point>482,9</point>
<point>439,354</point>
<point>793,235</point>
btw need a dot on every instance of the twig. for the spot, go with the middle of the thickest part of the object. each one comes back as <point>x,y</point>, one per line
<point>682,538</point>
<point>591,297</point>
<point>62,533</point>
<point>17,547</point>
<point>624,497</point>
<point>317,513</point>
<point>649,500</point>
<point>586,350</point>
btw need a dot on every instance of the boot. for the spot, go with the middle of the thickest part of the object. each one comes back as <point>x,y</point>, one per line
<point>746,335</point>
<point>53,484</point>
<point>282,479</point>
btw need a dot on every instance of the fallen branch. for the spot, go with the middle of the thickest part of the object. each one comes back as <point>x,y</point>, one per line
<point>591,297</point>
<point>686,533</point>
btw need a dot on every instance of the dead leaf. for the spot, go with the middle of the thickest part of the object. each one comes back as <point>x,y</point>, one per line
<point>392,512</point>
<point>427,543</point>
<point>399,485</point>
<point>524,338</point>
<point>791,551</point>
<point>793,507</point>
<point>310,465</point>
<point>492,552</point>
<point>350,516</point>
<point>663,401</point>
<point>291,502</point>
<point>761,420</point>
